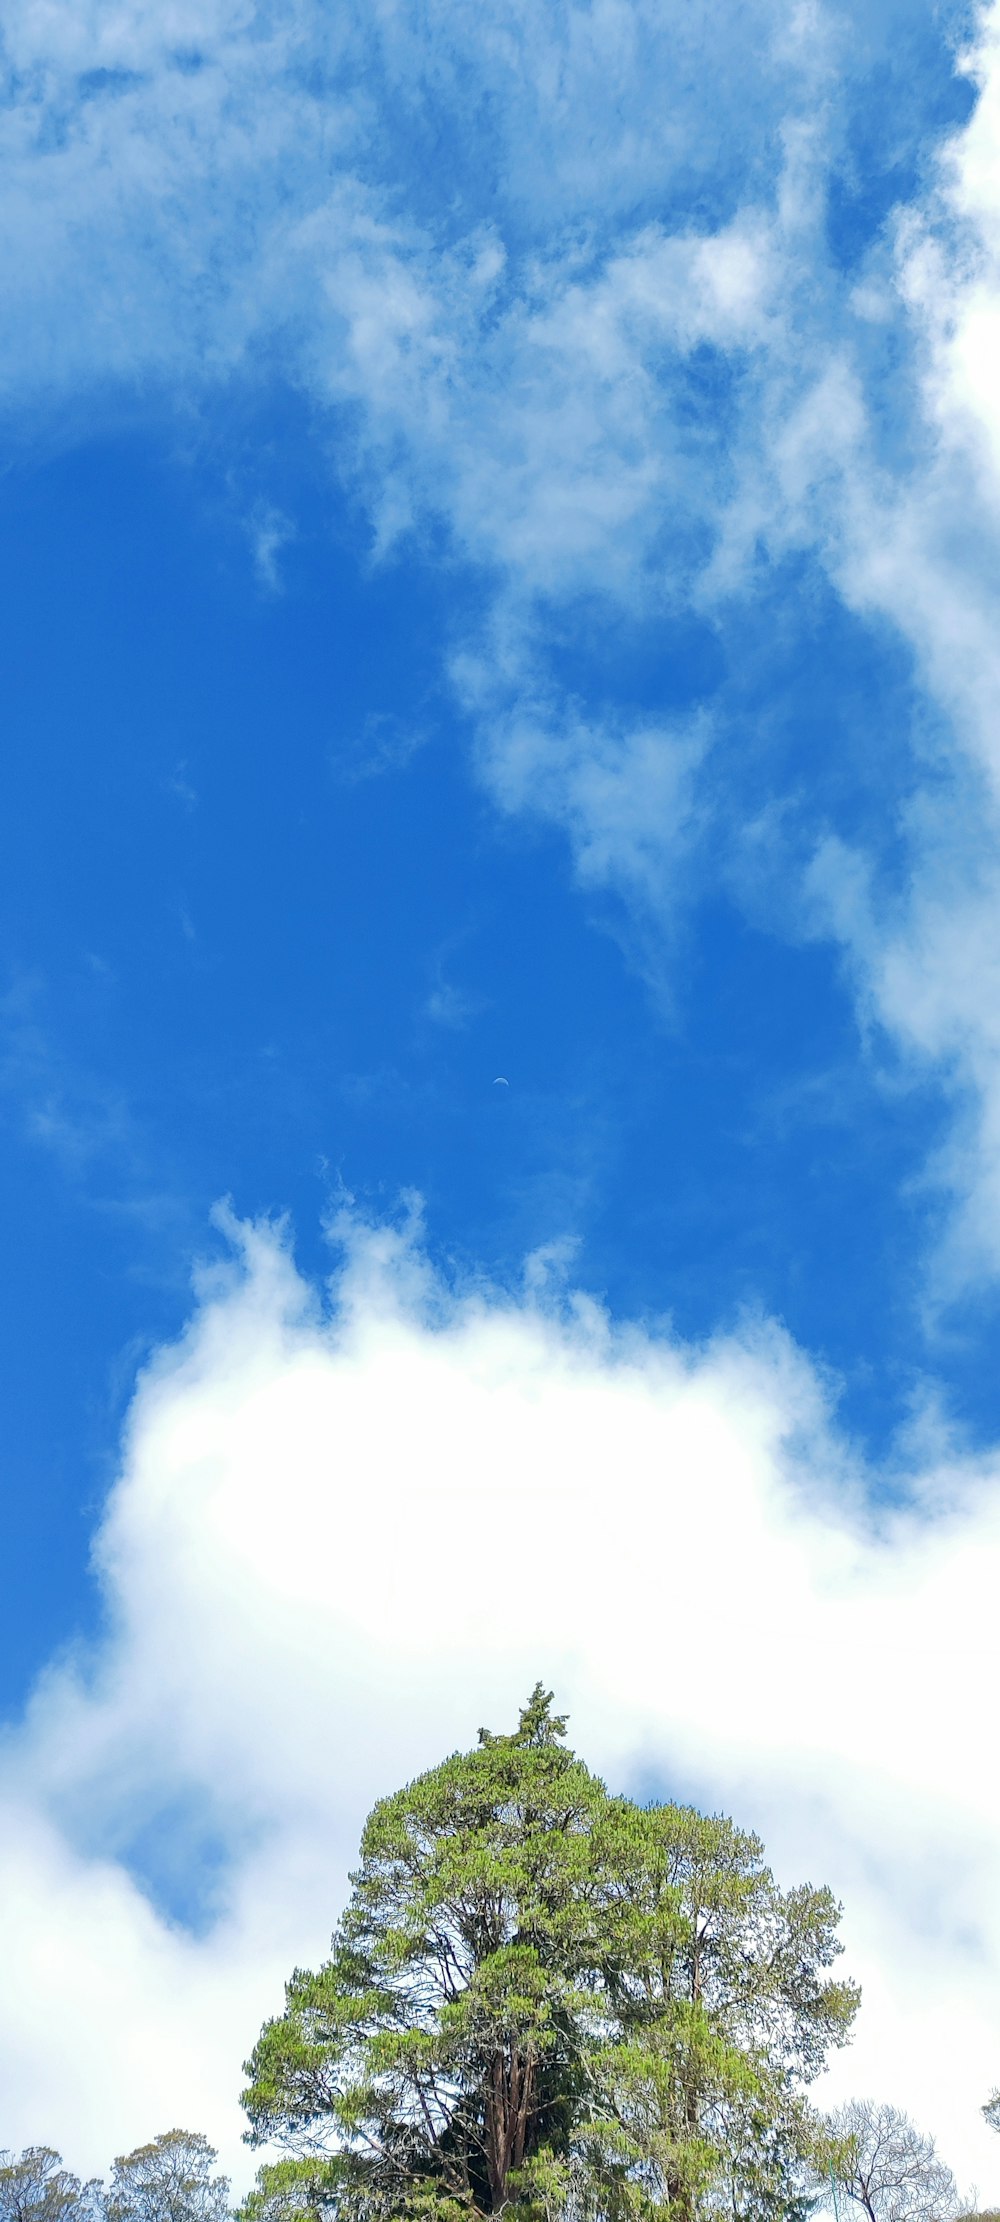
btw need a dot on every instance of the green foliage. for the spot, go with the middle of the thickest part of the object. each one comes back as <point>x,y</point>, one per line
<point>168,2180</point>
<point>549,2002</point>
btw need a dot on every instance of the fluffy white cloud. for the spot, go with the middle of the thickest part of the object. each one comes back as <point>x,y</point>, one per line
<point>344,1535</point>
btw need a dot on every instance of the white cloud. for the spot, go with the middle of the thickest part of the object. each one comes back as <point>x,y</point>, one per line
<point>626,791</point>
<point>340,1541</point>
<point>894,479</point>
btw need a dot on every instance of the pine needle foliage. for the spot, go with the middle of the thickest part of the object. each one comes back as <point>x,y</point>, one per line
<point>553,2004</point>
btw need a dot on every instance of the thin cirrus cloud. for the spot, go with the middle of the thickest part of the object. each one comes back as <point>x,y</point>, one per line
<point>347,1527</point>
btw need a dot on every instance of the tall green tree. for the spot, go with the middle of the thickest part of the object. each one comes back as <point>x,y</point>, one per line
<point>545,2001</point>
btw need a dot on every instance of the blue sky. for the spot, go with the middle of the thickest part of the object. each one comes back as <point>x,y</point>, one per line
<point>266,938</point>
<point>498,543</point>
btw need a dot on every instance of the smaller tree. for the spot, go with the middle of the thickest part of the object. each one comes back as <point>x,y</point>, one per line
<point>889,2168</point>
<point>991,2110</point>
<point>37,2188</point>
<point>168,2180</point>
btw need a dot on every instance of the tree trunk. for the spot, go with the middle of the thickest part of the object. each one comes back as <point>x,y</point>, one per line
<point>508,2114</point>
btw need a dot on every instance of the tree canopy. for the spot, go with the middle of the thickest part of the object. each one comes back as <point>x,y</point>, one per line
<point>168,2180</point>
<point>889,2168</point>
<point>544,2000</point>
<point>35,2187</point>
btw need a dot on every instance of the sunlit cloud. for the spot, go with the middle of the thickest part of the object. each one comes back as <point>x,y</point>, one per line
<point>349,1526</point>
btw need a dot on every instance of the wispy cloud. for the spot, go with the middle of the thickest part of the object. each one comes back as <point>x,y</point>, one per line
<point>180,786</point>
<point>269,531</point>
<point>85,1123</point>
<point>606,350</point>
<point>451,1006</point>
<point>385,743</point>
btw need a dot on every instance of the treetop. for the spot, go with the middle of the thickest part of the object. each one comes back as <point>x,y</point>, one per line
<point>537,1985</point>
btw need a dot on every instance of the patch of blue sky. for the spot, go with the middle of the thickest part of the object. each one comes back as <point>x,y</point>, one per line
<point>182,1862</point>
<point>904,94</point>
<point>520,113</point>
<point>265,935</point>
<point>178,1844</point>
